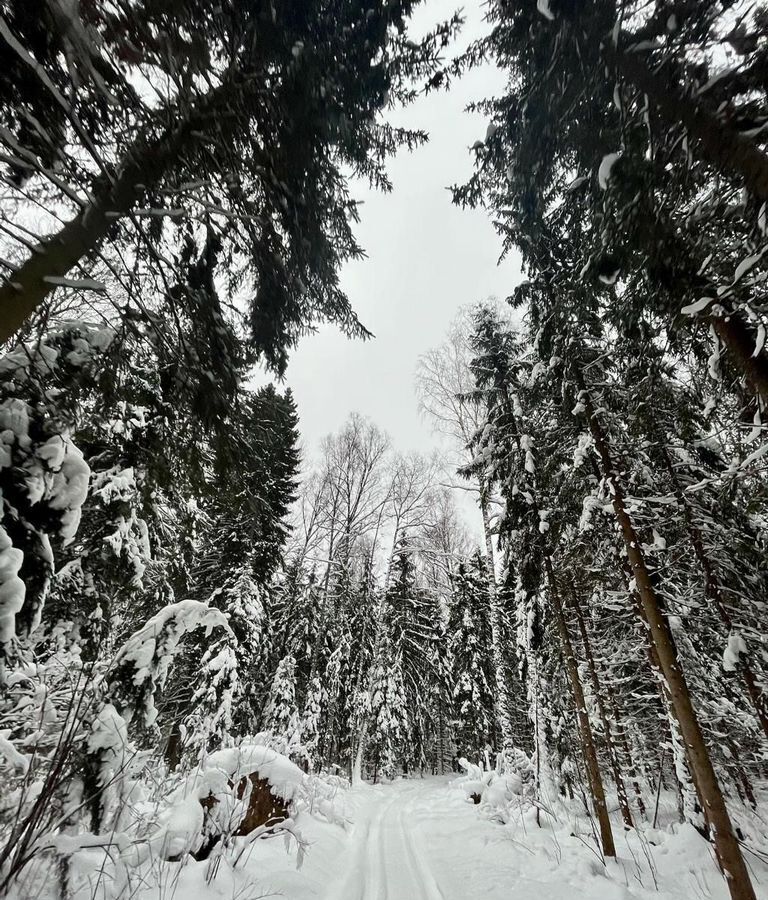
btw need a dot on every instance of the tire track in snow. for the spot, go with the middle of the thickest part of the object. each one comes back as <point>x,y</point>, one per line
<point>366,878</point>
<point>401,876</point>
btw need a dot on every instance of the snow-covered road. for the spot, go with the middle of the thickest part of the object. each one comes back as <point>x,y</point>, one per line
<point>419,839</point>
<point>387,858</point>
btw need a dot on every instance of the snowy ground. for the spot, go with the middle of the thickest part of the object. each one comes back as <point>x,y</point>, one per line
<point>420,840</point>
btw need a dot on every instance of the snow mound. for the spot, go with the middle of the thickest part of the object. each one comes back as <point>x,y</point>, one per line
<point>285,778</point>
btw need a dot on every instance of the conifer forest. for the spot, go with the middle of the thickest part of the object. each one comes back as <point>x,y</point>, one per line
<point>525,657</point>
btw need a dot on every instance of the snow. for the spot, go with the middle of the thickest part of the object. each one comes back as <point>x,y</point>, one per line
<point>733,651</point>
<point>759,339</point>
<point>181,827</point>
<point>543,7</point>
<point>604,170</point>
<point>422,839</point>
<point>698,306</point>
<point>108,741</point>
<point>68,488</point>
<point>149,652</point>
<point>411,839</point>
<point>746,264</point>
<point>83,284</point>
<point>18,760</point>
<point>12,588</point>
<point>285,777</point>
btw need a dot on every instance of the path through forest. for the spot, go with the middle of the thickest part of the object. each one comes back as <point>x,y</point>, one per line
<point>419,840</point>
<point>387,856</point>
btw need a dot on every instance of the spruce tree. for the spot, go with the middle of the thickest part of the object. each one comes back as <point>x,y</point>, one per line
<point>472,678</point>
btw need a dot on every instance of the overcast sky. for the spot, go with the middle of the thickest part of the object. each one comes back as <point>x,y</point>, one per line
<point>426,258</point>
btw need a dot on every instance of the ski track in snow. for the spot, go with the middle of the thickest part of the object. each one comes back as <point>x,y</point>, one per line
<point>388,860</point>
<point>418,839</point>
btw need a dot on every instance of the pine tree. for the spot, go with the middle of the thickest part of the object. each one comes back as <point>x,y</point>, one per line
<point>311,723</point>
<point>388,712</point>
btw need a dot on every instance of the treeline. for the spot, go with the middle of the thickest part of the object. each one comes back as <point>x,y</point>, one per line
<point>176,211</point>
<point>624,423</point>
<point>382,622</point>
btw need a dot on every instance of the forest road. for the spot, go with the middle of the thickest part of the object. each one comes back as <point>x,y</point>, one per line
<point>420,839</point>
<point>388,859</point>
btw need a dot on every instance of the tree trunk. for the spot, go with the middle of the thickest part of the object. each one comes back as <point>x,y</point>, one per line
<point>743,778</point>
<point>738,339</point>
<point>113,196</point>
<point>362,742</point>
<point>503,706</point>
<point>610,745</point>
<point>585,728</point>
<point>713,591</point>
<point>629,758</point>
<point>725,842</point>
<point>691,808</point>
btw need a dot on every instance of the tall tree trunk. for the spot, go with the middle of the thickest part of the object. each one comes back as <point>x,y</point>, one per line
<point>503,704</point>
<point>743,350</point>
<point>691,804</point>
<point>725,842</point>
<point>610,745</point>
<point>585,727</point>
<point>113,195</point>
<point>713,591</point>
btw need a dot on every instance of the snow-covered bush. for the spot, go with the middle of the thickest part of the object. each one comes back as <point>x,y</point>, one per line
<point>213,812</point>
<point>69,761</point>
<point>501,791</point>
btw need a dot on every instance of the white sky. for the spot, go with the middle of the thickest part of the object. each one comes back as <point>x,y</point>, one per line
<point>426,258</point>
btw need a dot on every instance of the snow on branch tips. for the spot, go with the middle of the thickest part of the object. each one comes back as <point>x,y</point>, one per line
<point>141,666</point>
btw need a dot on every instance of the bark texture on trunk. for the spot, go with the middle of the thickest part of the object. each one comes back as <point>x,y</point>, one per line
<point>739,341</point>
<point>724,839</point>
<point>610,744</point>
<point>589,750</point>
<point>714,592</point>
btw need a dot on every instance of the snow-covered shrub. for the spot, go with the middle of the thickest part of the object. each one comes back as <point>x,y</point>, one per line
<point>502,791</point>
<point>69,763</point>
<point>172,819</point>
